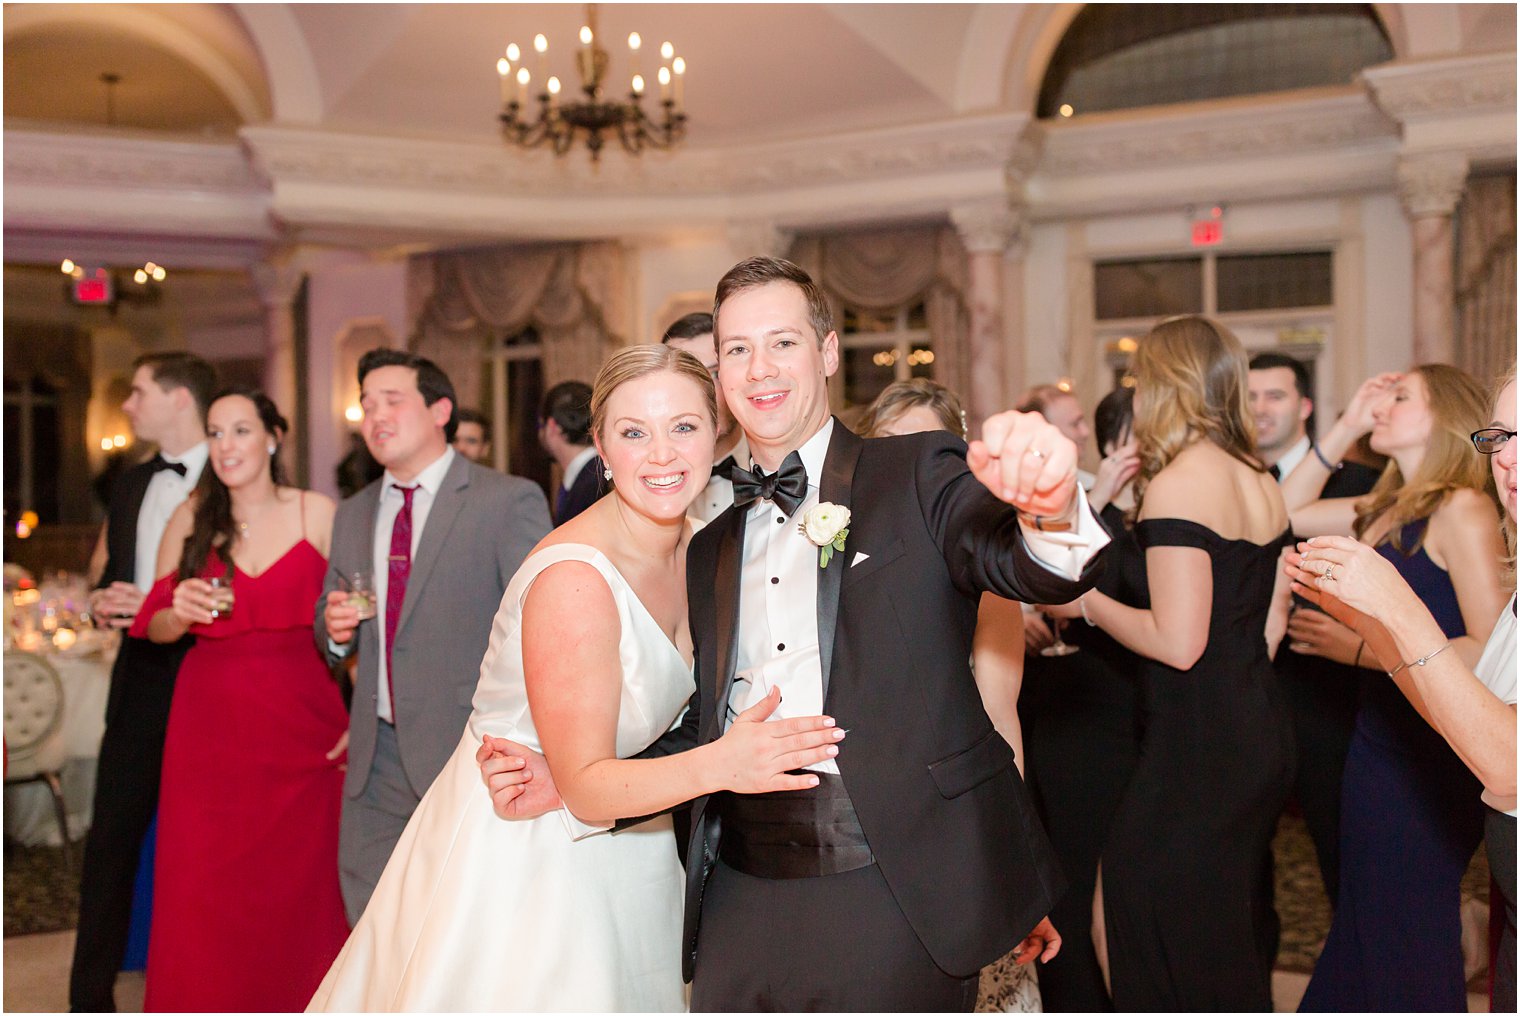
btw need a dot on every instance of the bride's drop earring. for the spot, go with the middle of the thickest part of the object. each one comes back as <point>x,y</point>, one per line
<point>607,473</point>
<point>271,449</point>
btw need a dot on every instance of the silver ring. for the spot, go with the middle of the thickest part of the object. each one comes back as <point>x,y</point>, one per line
<point>1330,572</point>
<point>1035,452</point>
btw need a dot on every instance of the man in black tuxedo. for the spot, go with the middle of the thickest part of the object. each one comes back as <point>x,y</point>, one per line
<point>1322,695</point>
<point>170,393</point>
<point>564,430</point>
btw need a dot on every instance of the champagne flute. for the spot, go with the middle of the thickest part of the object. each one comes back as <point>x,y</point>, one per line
<point>1059,647</point>
<point>361,593</point>
<point>222,596</point>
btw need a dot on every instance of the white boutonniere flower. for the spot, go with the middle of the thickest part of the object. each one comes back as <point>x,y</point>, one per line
<point>826,526</point>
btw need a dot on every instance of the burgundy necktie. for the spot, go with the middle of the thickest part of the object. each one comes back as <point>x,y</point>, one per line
<point>395,588</point>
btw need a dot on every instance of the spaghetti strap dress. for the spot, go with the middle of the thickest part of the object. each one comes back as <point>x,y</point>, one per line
<point>247,913</point>
<point>1183,901</point>
<point>1411,818</point>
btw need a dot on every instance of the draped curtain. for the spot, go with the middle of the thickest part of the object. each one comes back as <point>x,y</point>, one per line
<point>1485,287</point>
<point>572,295</point>
<point>883,269</point>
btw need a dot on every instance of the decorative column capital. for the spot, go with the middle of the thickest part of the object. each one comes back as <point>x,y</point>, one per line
<point>759,237</point>
<point>988,227</point>
<point>1432,183</point>
<point>277,280</point>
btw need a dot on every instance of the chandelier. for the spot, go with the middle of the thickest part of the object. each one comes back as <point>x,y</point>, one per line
<point>560,121</point>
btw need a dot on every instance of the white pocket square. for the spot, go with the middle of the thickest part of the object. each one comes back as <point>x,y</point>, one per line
<point>859,557</point>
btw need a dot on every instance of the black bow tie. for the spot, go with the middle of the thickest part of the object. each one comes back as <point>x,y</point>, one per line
<point>160,463</point>
<point>727,468</point>
<point>786,488</point>
<point>1275,471</point>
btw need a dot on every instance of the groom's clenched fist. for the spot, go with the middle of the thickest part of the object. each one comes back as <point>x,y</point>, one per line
<point>1028,463</point>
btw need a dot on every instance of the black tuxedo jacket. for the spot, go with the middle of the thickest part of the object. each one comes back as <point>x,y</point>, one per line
<point>933,783</point>
<point>139,659</point>
<point>588,488</point>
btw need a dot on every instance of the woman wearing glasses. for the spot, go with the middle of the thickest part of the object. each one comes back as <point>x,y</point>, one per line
<point>1473,708</point>
<point>1410,817</point>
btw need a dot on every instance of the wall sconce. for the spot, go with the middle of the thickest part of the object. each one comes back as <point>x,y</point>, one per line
<point>354,414</point>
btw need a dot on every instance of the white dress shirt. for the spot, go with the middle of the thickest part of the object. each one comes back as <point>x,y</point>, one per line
<point>1496,669</point>
<point>1290,459</point>
<point>167,490</point>
<point>777,643</point>
<point>718,495</point>
<point>391,499</point>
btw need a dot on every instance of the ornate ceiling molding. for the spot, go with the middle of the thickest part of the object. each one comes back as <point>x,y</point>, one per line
<point>135,162</point>
<point>1463,85</point>
<point>1213,132</point>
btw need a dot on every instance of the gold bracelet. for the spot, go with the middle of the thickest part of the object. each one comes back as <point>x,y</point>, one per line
<point>1421,661</point>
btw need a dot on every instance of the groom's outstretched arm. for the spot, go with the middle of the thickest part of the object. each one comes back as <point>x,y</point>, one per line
<point>1008,513</point>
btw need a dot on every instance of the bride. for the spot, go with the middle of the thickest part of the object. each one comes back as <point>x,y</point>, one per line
<point>589,662</point>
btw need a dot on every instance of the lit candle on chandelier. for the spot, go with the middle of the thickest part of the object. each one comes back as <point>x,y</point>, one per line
<point>638,86</point>
<point>541,47</point>
<point>523,77</point>
<point>664,84</point>
<point>679,66</point>
<point>504,72</point>
<point>553,90</point>
<point>586,36</point>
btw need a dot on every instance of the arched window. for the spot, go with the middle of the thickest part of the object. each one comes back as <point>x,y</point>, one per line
<point>1125,56</point>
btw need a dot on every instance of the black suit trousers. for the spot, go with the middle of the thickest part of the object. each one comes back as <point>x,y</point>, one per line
<point>126,797</point>
<point>835,943</point>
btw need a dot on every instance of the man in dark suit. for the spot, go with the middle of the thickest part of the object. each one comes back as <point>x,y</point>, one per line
<point>1322,695</point>
<point>170,393</point>
<point>441,537</point>
<point>564,430</point>
<point>918,858</point>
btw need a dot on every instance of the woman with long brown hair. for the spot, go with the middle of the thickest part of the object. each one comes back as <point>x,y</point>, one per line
<point>1177,911</point>
<point>1410,811</point>
<point>246,907</point>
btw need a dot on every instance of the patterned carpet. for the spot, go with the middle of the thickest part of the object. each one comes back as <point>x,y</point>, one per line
<point>42,894</point>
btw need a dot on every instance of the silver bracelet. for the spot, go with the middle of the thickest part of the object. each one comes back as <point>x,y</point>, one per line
<point>1082,606</point>
<point>1421,661</point>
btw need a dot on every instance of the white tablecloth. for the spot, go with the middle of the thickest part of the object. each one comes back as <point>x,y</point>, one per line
<point>29,806</point>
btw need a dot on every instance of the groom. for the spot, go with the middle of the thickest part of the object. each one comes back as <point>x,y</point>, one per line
<point>918,859</point>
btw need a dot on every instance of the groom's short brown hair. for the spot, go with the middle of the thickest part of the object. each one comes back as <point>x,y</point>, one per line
<point>752,273</point>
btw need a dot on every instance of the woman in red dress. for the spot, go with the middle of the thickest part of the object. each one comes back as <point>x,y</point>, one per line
<point>246,911</point>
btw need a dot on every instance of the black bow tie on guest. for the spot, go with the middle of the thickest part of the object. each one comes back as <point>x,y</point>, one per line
<point>786,487</point>
<point>160,463</point>
<point>727,468</point>
<point>1276,472</point>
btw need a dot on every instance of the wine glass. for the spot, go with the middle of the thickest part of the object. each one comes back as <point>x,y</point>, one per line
<point>1059,647</point>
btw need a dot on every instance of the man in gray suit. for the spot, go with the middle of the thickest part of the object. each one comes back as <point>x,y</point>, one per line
<point>440,537</point>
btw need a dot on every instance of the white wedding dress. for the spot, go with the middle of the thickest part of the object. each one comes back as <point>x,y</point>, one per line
<point>477,913</point>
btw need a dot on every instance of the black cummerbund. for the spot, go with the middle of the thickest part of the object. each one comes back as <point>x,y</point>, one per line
<point>793,833</point>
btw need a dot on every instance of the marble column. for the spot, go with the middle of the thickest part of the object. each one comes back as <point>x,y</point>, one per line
<point>1430,186</point>
<point>277,281</point>
<point>992,233</point>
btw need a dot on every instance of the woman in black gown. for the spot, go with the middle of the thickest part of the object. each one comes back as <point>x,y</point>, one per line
<point>1081,720</point>
<point>1178,906</point>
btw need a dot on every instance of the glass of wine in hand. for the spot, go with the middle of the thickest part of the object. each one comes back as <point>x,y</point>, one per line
<point>1059,647</point>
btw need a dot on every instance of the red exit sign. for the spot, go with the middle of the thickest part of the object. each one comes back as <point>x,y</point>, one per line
<point>1207,232</point>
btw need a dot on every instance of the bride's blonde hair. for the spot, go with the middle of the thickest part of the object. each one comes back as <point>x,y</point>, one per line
<point>634,362</point>
<point>1190,385</point>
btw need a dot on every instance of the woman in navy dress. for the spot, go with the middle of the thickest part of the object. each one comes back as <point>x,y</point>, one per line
<point>1410,811</point>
